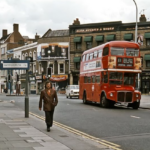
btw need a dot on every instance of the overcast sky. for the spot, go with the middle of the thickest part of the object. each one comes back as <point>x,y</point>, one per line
<point>40,15</point>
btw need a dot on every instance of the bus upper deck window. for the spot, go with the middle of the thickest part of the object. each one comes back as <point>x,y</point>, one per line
<point>132,52</point>
<point>91,56</point>
<point>118,51</point>
<point>100,53</point>
<point>105,51</point>
<point>87,57</point>
<point>83,58</point>
<point>95,54</point>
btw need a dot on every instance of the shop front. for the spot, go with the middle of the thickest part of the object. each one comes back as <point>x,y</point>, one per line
<point>145,82</point>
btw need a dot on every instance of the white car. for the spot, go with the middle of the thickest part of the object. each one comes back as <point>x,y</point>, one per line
<point>72,91</point>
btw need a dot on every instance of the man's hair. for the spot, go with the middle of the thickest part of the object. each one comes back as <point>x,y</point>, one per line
<point>47,83</point>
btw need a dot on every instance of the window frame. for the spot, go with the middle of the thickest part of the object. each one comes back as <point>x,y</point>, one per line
<point>105,54</point>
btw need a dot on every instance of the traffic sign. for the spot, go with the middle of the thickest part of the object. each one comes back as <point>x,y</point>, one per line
<point>14,64</point>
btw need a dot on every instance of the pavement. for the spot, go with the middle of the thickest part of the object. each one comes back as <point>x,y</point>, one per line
<point>20,133</point>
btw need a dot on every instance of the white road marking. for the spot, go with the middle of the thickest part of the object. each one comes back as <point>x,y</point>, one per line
<point>135,117</point>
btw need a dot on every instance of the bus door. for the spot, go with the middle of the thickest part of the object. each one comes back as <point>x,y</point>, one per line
<point>105,81</point>
<point>96,87</point>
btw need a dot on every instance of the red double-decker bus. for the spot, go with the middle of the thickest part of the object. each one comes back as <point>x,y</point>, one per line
<point>109,73</point>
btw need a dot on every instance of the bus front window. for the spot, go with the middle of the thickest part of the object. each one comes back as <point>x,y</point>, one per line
<point>115,78</point>
<point>117,51</point>
<point>128,78</point>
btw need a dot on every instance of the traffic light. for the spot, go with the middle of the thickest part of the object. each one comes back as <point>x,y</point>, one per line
<point>49,71</point>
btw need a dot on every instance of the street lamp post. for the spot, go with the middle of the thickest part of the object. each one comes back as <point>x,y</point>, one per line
<point>136,27</point>
<point>48,62</point>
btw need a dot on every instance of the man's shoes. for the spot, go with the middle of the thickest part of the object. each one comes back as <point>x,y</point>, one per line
<point>48,129</point>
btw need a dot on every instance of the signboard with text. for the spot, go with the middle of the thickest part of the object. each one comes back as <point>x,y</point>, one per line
<point>14,64</point>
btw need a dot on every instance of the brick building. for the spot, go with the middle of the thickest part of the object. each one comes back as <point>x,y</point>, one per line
<point>86,36</point>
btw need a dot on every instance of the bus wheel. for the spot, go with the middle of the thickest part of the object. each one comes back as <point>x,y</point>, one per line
<point>135,105</point>
<point>84,99</point>
<point>104,101</point>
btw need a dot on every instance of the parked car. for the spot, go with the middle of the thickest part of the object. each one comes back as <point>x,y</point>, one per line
<point>72,91</point>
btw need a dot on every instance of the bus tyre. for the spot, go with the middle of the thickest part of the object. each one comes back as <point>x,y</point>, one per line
<point>84,99</point>
<point>104,101</point>
<point>135,105</point>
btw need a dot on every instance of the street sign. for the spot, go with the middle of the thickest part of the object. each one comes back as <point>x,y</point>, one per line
<point>14,64</point>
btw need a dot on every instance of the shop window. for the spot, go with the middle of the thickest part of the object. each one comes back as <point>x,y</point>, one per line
<point>148,42</point>
<point>88,45</point>
<point>61,68</point>
<point>78,46</point>
<point>147,63</point>
<point>77,65</point>
<point>99,43</point>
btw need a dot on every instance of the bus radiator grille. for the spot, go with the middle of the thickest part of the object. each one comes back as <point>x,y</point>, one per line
<point>124,96</point>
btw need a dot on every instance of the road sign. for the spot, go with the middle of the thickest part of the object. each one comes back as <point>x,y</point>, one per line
<point>14,64</point>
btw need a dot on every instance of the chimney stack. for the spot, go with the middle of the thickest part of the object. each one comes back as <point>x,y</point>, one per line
<point>16,27</point>
<point>143,18</point>
<point>37,37</point>
<point>4,32</point>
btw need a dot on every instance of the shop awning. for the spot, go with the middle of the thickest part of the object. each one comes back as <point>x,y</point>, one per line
<point>77,39</point>
<point>128,36</point>
<point>110,37</point>
<point>88,39</point>
<point>147,35</point>
<point>99,38</point>
<point>147,57</point>
<point>76,59</point>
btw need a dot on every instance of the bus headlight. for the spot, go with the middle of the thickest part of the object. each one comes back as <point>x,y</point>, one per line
<point>111,94</point>
<point>137,95</point>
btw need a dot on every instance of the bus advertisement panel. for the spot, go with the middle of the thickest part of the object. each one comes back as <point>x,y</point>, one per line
<point>109,74</point>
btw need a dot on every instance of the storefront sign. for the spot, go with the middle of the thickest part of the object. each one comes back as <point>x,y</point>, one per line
<point>58,78</point>
<point>94,29</point>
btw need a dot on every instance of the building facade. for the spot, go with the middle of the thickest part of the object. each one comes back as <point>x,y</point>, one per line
<point>54,52</point>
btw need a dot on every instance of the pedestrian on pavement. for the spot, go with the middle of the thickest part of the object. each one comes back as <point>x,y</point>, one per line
<point>50,100</point>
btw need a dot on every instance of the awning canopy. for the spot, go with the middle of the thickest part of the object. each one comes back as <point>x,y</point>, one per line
<point>88,39</point>
<point>99,38</point>
<point>110,37</point>
<point>147,35</point>
<point>128,36</point>
<point>77,39</point>
<point>147,57</point>
<point>76,59</point>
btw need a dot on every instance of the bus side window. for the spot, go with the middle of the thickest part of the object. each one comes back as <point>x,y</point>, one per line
<point>87,57</point>
<point>95,54</point>
<point>93,79</point>
<point>105,51</point>
<point>85,79</point>
<point>89,79</point>
<point>83,58</point>
<point>100,53</point>
<point>97,79</point>
<point>91,56</point>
